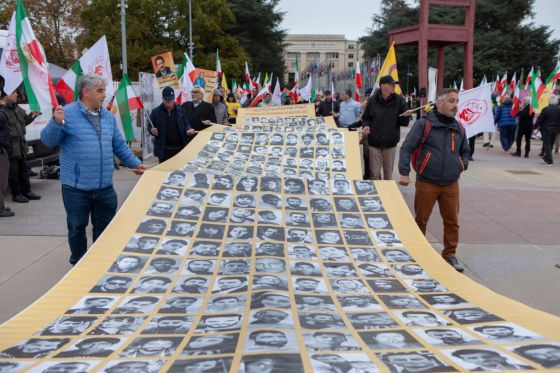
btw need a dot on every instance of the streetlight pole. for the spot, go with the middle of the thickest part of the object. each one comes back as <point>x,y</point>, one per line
<point>123,37</point>
<point>191,46</point>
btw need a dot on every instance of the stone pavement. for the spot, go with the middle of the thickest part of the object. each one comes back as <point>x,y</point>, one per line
<point>510,236</point>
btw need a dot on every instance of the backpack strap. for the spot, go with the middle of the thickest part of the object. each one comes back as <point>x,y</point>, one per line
<point>426,132</point>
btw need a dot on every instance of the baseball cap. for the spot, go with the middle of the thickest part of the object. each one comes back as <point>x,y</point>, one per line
<point>168,93</point>
<point>387,79</point>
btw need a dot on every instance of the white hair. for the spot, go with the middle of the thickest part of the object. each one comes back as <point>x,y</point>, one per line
<point>90,81</point>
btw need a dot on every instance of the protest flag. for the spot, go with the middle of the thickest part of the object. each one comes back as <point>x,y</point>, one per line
<point>10,67</point>
<point>67,87</point>
<point>127,100</point>
<point>185,74</point>
<point>389,67</point>
<point>277,94</point>
<point>475,110</point>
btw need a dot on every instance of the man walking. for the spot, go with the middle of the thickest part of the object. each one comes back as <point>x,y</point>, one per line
<point>19,173</point>
<point>327,107</point>
<point>549,124</point>
<point>444,156</point>
<point>170,127</point>
<point>89,137</point>
<point>349,111</point>
<point>384,114</point>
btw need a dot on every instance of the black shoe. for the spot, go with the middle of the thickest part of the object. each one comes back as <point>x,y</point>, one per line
<point>7,209</point>
<point>32,196</point>
<point>455,263</point>
<point>516,154</point>
<point>4,213</point>
<point>20,199</point>
<point>526,155</point>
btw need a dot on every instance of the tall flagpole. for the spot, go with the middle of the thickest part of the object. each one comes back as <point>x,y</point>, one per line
<point>123,37</point>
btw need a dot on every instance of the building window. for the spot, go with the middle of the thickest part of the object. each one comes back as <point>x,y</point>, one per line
<point>350,64</point>
<point>312,56</point>
<point>351,46</point>
<point>293,55</point>
<point>331,55</point>
<point>351,55</point>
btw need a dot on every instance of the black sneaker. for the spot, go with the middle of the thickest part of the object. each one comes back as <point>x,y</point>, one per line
<point>454,262</point>
<point>32,196</point>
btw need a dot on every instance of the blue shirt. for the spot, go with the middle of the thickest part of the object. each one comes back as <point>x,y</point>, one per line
<point>349,112</point>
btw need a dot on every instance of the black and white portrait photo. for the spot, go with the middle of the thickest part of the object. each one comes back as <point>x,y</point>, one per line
<point>302,252</point>
<point>270,340</point>
<point>309,285</point>
<point>333,253</point>
<point>34,348</point>
<point>372,320</point>
<point>330,341</point>
<point>226,285</point>
<point>386,286</point>
<point>321,321</point>
<point>299,235</point>
<point>297,219</point>
<point>152,285</point>
<point>191,285</point>
<point>484,359</point>
<point>324,220</point>
<point>93,305</point>
<point>447,337</point>
<point>267,318</point>
<point>152,226</point>
<point>362,254</point>
<point>118,325</point>
<point>219,323</point>
<point>345,204</point>
<point>343,362</point>
<point>92,347</point>
<point>225,303</point>
<point>175,178</point>
<point>239,232</point>
<point>409,271</point>
<point>237,249</point>
<point>389,340</point>
<point>82,366</point>
<point>386,238</point>
<point>340,269</point>
<point>222,182</point>
<point>128,264</point>
<point>357,238</point>
<point>205,249</point>
<point>425,285</point>
<point>505,333</point>
<point>169,194</point>
<point>266,233</point>
<point>471,316</point>
<point>163,265</point>
<point>271,363</point>
<point>136,365</point>
<point>212,231</point>
<point>211,344</point>
<point>402,302</point>
<point>161,209</point>
<point>364,187</point>
<point>270,249</point>
<point>300,268</point>
<point>354,303</point>
<point>375,270</point>
<point>141,244</point>
<point>309,302</point>
<point>371,204</point>
<point>270,299</point>
<point>242,215</point>
<point>234,267</point>
<point>421,318</point>
<point>546,355</point>
<point>151,346</point>
<point>170,324</point>
<point>344,286</point>
<point>214,365</point>
<point>215,214</point>
<point>414,361</point>
<point>68,325</point>
<point>193,197</point>
<point>199,267</point>
<point>295,203</point>
<point>446,300</point>
<point>378,221</point>
<point>180,304</point>
<point>397,255</point>
<point>137,305</point>
<point>221,199</point>
<point>112,284</point>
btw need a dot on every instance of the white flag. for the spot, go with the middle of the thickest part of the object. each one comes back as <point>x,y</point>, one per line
<point>305,92</point>
<point>432,84</point>
<point>277,94</point>
<point>96,61</point>
<point>475,110</point>
<point>10,68</point>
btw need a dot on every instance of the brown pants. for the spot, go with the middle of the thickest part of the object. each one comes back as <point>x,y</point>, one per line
<point>447,197</point>
<point>381,159</point>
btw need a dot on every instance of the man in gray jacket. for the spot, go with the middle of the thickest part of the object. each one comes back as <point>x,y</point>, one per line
<point>443,157</point>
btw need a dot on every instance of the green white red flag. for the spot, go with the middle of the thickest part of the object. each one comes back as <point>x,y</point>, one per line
<point>10,67</point>
<point>34,67</point>
<point>218,65</point>
<point>185,74</point>
<point>67,87</point>
<point>277,93</point>
<point>127,100</point>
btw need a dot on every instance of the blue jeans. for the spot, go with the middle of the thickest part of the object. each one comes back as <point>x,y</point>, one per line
<point>507,136</point>
<point>79,205</point>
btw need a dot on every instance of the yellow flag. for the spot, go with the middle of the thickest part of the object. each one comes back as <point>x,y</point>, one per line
<point>543,100</point>
<point>265,79</point>
<point>224,82</point>
<point>390,68</point>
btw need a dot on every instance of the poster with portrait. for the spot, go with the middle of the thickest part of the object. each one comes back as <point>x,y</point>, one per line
<point>207,80</point>
<point>164,70</point>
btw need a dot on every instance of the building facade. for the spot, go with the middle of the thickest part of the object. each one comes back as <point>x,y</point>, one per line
<point>324,57</point>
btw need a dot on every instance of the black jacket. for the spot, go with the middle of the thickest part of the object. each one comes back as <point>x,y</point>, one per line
<point>444,154</point>
<point>525,119</point>
<point>5,140</point>
<point>382,117</point>
<point>157,116</point>
<point>549,119</point>
<point>326,108</point>
<point>204,111</point>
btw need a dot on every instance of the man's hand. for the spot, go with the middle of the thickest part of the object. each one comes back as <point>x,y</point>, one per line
<point>154,131</point>
<point>59,115</point>
<point>407,113</point>
<point>139,170</point>
<point>336,115</point>
<point>36,113</point>
<point>365,131</point>
<point>404,180</point>
<point>191,132</point>
<point>206,122</point>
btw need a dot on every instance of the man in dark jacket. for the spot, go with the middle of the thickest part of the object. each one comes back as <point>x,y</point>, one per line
<point>444,156</point>
<point>549,124</point>
<point>200,114</point>
<point>525,128</point>
<point>327,107</point>
<point>383,116</point>
<point>170,127</point>
<point>5,150</point>
<point>18,119</point>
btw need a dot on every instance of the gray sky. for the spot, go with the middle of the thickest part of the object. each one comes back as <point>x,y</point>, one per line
<point>353,17</point>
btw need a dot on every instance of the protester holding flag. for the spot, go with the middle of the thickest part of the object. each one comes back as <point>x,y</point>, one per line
<point>524,127</point>
<point>169,126</point>
<point>384,114</point>
<point>506,123</point>
<point>89,139</point>
<point>549,124</point>
<point>200,114</point>
<point>18,119</point>
<point>443,156</point>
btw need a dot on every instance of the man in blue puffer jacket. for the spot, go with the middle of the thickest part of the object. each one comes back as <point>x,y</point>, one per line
<point>506,123</point>
<point>89,137</point>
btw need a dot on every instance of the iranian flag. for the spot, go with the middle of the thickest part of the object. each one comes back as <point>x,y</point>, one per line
<point>247,74</point>
<point>95,61</point>
<point>307,92</point>
<point>264,91</point>
<point>218,65</point>
<point>529,78</point>
<point>503,82</point>
<point>33,62</point>
<point>277,94</point>
<point>513,82</point>
<point>185,74</point>
<point>10,67</point>
<point>516,98</point>
<point>127,100</point>
<point>359,83</point>
<point>67,87</point>
<point>295,91</point>
<point>537,88</point>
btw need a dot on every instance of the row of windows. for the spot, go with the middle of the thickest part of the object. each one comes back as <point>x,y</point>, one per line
<point>316,55</point>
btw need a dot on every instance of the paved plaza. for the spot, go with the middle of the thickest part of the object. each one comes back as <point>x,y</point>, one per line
<point>509,242</point>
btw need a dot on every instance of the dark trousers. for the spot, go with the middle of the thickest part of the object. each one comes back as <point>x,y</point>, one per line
<point>447,197</point>
<point>548,137</point>
<point>4,173</point>
<point>19,177</point>
<point>521,133</point>
<point>472,142</point>
<point>169,153</point>
<point>79,205</point>
<point>507,135</point>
